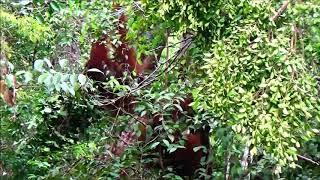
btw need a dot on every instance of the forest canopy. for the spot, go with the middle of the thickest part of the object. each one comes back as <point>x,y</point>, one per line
<point>184,89</point>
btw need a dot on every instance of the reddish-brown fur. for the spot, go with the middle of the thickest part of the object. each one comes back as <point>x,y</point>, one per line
<point>185,160</point>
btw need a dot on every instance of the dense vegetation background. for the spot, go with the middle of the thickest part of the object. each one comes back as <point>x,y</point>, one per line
<point>252,67</point>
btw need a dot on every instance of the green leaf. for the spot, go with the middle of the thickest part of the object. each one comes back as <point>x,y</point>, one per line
<point>73,79</point>
<point>63,63</point>
<point>166,142</point>
<point>166,106</point>
<point>195,92</point>
<point>143,113</point>
<point>38,65</point>
<point>42,77</point>
<point>48,80</point>
<point>273,88</point>
<point>39,18</point>
<point>154,145</point>
<point>20,72</point>
<point>253,151</point>
<point>55,6</point>
<point>289,69</point>
<point>82,79</point>
<point>195,149</point>
<point>65,87</point>
<point>316,131</point>
<point>47,110</point>
<point>27,76</point>
<point>10,80</point>
<point>71,90</point>
<point>48,62</point>
<point>149,131</point>
<point>172,149</point>
<point>140,108</point>
<point>179,107</point>
<point>241,91</point>
<point>171,137</point>
<point>285,111</point>
<point>56,79</point>
<point>24,2</point>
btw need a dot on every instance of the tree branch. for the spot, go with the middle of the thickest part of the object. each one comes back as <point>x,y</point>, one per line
<point>137,118</point>
<point>281,10</point>
<point>227,166</point>
<point>153,76</point>
<point>308,159</point>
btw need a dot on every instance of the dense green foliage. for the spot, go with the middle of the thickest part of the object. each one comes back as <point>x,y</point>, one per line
<point>254,78</point>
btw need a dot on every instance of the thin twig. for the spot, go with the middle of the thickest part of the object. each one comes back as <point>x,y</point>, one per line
<point>281,10</point>
<point>167,57</point>
<point>227,166</point>
<point>173,44</point>
<point>177,55</point>
<point>138,5</point>
<point>168,60</point>
<point>161,158</point>
<point>145,83</point>
<point>132,115</point>
<point>308,159</point>
<point>72,166</point>
<point>152,140</point>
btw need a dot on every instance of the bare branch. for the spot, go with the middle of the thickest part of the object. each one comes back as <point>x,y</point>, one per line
<point>135,117</point>
<point>308,159</point>
<point>153,76</point>
<point>227,166</point>
<point>281,10</point>
<point>167,55</point>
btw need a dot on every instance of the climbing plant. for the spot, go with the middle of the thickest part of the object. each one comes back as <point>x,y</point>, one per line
<point>252,69</point>
<point>260,62</point>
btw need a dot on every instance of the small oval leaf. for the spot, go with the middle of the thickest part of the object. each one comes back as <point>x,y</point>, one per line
<point>82,79</point>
